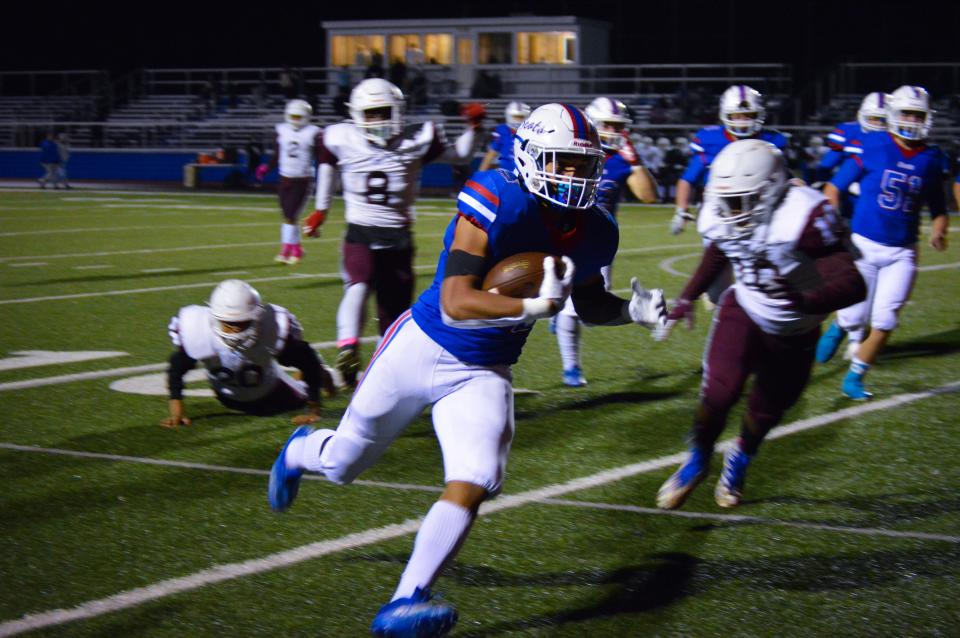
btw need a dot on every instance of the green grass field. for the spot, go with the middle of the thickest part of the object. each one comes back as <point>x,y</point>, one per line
<point>850,528</point>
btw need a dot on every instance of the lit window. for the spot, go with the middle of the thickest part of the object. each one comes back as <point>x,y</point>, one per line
<point>464,51</point>
<point>547,47</point>
<point>438,48</point>
<point>355,49</point>
<point>406,47</point>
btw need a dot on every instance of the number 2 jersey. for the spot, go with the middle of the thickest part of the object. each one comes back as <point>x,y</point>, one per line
<point>895,183</point>
<point>515,221</point>
<point>780,250</point>
<point>296,149</point>
<point>240,374</point>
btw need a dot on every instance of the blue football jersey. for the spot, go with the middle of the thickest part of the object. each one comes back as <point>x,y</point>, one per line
<point>895,183</point>
<point>501,141</point>
<point>710,140</point>
<point>846,139</point>
<point>616,170</point>
<point>515,221</point>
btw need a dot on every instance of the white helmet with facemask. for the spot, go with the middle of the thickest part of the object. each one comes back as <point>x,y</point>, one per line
<point>376,108</point>
<point>553,137</point>
<point>611,119</point>
<point>748,179</point>
<point>297,113</point>
<point>872,115</point>
<point>909,115</point>
<point>235,311</point>
<point>515,113</point>
<point>747,105</point>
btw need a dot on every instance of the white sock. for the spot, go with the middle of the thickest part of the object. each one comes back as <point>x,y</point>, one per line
<point>289,234</point>
<point>441,534</point>
<point>304,453</point>
<point>858,367</point>
<point>351,311</point>
<point>607,272</point>
<point>568,338</point>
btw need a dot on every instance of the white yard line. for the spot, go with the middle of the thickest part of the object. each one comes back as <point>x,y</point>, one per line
<point>120,372</point>
<point>93,267</point>
<point>113,229</point>
<point>154,271</point>
<point>230,571</point>
<point>738,518</point>
<point>29,264</point>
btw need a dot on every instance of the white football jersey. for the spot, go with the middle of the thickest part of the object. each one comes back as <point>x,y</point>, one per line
<point>770,255</point>
<point>296,149</point>
<point>242,375</point>
<point>380,184</point>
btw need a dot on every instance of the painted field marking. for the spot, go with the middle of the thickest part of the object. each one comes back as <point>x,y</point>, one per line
<point>739,518</point>
<point>93,267</point>
<point>230,571</point>
<point>114,229</point>
<point>33,358</point>
<point>29,264</point>
<point>153,271</point>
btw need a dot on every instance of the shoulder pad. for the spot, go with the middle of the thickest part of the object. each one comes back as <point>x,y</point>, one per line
<point>793,214</point>
<point>196,335</point>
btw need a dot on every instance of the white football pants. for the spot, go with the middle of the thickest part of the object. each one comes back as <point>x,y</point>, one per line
<point>472,410</point>
<point>889,272</point>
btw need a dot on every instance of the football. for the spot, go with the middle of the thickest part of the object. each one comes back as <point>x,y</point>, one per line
<point>519,275</point>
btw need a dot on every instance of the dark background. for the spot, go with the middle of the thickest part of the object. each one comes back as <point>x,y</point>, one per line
<point>809,35</point>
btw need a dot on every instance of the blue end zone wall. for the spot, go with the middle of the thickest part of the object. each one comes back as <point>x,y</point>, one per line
<point>159,166</point>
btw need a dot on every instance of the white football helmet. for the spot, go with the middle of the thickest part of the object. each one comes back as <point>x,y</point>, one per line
<point>235,310</point>
<point>553,136</point>
<point>915,101</point>
<point>746,103</point>
<point>747,180</point>
<point>297,113</point>
<point>873,107</point>
<point>611,118</point>
<point>663,143</point>
<point>515,113</point>
<point>374,94</point>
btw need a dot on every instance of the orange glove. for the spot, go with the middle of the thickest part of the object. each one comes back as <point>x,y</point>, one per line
<point>311,227</point>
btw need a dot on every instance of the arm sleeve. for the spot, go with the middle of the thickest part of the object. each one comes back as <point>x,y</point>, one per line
<point>458,153</point>
<point>936,199</point>
<point>850,171</point>
<point>831,159</point>
<point>326,175</point>
<point>711,265</point>
<point>298,354</point>
<point>598,307</point>
<point>180,364</point>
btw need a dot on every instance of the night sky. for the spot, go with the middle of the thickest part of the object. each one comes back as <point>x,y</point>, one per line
<point>809,35</point>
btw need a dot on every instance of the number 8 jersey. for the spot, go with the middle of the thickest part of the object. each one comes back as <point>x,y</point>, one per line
<point>895,183</point>
<point>380,183</point>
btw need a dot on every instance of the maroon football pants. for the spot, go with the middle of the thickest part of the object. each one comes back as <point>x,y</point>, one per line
<point>292,192</point>
<point>388,272</point>
<point>737,348</point>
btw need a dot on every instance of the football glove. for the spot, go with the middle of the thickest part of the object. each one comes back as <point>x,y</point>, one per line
<point>474,112</point>
<point>680,219</point>
<point>311,227</point>
<point>554,290</point>
<point>262,171</point>
<point>682,311</point>
<point>647,307</point>
<point>628,151</point>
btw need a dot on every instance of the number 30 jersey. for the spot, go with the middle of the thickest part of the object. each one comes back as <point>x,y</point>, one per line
<point>380,183</point>
<point>895,183</point>
<point>243,374</point>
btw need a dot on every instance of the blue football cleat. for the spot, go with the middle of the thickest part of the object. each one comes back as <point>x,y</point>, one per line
<point>574,377</point>
<point>853,387</point>
<point>414,617</point>
<point>681,483</point>
<point>830,342</point>
<point>730,486</point>
<point>284,483</point>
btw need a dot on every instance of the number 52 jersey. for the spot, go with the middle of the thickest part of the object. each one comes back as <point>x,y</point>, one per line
<point>380,183</point>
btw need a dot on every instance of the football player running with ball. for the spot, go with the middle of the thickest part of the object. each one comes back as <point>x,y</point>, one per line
<point>898,174</point>
<point>379,160</point>
<point>621,167</point>
<point>296,149</point>
<point>454,348</point>
<point>242,343</point>
<point>791,266</point>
